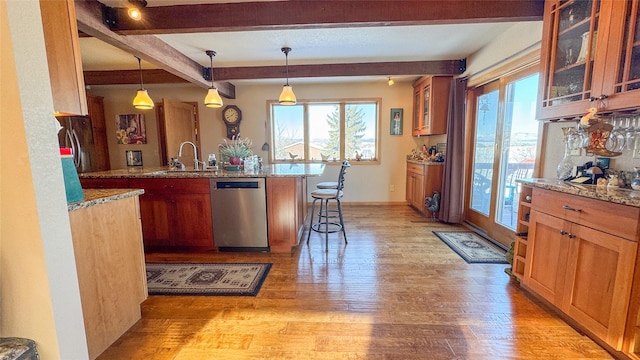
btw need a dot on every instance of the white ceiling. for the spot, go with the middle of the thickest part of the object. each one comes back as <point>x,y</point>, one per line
<point>309,46</point>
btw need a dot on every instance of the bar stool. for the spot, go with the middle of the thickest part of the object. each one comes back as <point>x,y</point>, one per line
<point>323,225</point>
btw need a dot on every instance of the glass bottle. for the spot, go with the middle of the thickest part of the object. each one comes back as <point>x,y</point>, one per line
<point>565,167</point>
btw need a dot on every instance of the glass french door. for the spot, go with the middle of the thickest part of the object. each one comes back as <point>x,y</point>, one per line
<point>503,149</point>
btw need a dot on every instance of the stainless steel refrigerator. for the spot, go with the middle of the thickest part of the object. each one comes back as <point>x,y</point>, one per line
<point>77,134</point>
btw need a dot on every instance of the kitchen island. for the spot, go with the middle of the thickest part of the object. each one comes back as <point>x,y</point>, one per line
<point>107,244</point>
<point>176,208</point>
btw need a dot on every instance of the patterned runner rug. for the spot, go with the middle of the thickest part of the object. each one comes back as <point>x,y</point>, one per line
<point>472,247</point>
<point>220,279</point>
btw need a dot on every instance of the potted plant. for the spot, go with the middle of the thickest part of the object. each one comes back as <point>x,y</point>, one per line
<point>235,150</point>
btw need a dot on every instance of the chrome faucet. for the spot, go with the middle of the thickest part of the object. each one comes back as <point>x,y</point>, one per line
<point>195,154</point>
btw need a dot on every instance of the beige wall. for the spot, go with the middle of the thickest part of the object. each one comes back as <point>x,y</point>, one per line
<point>39,296</point>
<point>252,100</point>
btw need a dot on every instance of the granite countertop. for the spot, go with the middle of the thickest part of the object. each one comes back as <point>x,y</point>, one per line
<point>618,196</point>
<point>273,170</point>
<point>100,196</point>
<point>425,162</point>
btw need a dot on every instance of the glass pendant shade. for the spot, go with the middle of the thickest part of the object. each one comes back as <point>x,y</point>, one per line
<point>287,97</point>
<point>142,100</point>
<point>213,99</point>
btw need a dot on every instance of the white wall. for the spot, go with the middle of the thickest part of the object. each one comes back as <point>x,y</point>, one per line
<point>365,183</point>
<point>39,294</point>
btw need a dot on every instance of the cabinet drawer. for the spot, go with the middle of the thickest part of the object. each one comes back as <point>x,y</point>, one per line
<point>171,186</point>
<point>107,183</point>
<point>417,169</point>
<point>616,219</point>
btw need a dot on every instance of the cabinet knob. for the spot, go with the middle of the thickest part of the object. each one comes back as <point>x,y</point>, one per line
<point>562,232</point>
<point>572,236</point>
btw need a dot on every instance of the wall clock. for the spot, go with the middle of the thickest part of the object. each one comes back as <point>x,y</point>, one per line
<point>232,116</point>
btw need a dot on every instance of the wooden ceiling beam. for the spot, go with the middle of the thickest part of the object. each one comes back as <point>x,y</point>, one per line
<point>147,47</point>
<point>158,76</point>
<point>443,67</point>
<point>270,15</point>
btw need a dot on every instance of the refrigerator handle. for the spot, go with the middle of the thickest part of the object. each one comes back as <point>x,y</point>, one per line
<point>75,145</point>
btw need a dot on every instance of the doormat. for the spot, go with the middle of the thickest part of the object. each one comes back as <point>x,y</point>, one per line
<point>472,247</point>
<point>220,279</point>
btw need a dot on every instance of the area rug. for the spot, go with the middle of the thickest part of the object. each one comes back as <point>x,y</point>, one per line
<point>472,247</point>
<point>219,279</point>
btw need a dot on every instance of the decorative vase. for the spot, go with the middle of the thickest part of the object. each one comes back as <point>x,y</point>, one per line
<point>565,167</point>
<point>235,161</point>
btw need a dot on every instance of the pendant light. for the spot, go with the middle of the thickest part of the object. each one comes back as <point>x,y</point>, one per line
<point>287,97</point>
<point>213,99</point>
<point>142,100</point>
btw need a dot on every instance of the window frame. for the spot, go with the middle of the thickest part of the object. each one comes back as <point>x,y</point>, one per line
<point>341,103</point>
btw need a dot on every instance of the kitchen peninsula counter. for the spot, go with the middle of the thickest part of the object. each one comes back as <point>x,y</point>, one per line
<point>618,196</point>
<point>176,207</point>
<point>273,170</point>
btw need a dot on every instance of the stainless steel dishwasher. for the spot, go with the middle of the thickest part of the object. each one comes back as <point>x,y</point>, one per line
<point>239,212</point>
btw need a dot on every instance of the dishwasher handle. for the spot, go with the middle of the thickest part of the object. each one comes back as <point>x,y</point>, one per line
<point>221,185</point>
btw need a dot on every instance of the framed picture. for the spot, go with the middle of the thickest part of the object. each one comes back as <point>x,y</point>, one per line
<point>395,127</point>
<point>134,157</point>
<point>130,129</point>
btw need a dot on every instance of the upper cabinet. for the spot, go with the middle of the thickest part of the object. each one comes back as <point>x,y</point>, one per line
<point>430,105</point>
<point>590,57</point>
<point>63,55</point>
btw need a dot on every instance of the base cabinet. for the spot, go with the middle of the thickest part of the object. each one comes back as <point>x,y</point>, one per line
<point>422,181</point>
<point>176,213</point>
<point>579,267</point>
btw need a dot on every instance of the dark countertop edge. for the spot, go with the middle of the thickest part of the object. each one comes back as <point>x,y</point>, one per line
<point>161,172</point>
<point>100,196</point>
<point>619,196</point>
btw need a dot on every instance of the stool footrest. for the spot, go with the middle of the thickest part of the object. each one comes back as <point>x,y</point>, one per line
<point>333,227</point>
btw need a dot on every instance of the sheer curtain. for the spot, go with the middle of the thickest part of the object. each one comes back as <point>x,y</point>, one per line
<point>452,202</point>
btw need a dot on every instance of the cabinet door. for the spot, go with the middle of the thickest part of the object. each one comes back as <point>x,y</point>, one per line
<point>622,80</point>
<point>154,214</point>
<point>60,31</point>
<point>417,103</point>
<point>99,129</point>
<point>190,220</point>
<point>425,121</point>
<point>598,286</point>
<point>568,56</point>
<point>547,251</point>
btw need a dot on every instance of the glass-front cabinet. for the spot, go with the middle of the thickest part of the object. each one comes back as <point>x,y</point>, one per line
<point>590,57</point>
<point>430,105</point>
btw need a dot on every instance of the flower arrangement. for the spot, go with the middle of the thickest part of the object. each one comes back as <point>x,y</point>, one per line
<point>236,148</point>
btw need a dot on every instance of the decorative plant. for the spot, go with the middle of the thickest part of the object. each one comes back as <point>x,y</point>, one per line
<point>236,148</point>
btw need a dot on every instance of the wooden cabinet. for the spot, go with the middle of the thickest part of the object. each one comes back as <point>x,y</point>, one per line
<point>590,57</point>
<point>95,106</point>
<point>422,181</point>
<point>580,257</point>
<point>107,242</point>
<point>430,105</point>
<point>63,56</point>
<point>286,210</point>
<point>522,233</point>
<point>176,213</point>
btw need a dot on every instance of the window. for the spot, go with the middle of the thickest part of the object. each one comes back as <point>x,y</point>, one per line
<point>316,131</point>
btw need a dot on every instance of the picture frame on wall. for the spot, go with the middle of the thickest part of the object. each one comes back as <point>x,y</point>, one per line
<point>396,121</point>
<point>134,157</point>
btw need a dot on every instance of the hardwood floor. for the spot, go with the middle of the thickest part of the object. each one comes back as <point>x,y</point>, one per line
<point>394,292</point>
